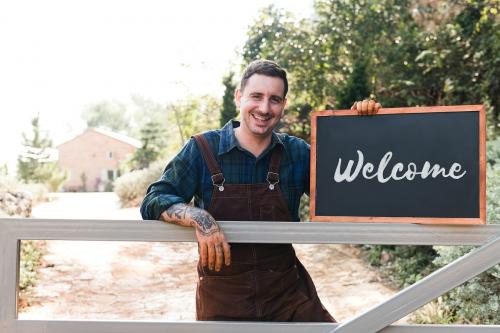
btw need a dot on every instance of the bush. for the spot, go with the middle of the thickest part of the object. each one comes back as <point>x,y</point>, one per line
<point>401,265</point>
<point>31,253</point>
<point>39,192</point>
<point>131,187</point>
<point>8,183</point>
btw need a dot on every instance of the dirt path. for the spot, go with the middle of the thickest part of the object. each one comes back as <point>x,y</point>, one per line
<point>156,281</point>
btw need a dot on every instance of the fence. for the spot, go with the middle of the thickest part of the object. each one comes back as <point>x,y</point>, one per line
<point>487,237</point>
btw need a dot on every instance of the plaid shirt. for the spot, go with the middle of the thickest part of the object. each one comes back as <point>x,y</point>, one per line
<point>187,176</point>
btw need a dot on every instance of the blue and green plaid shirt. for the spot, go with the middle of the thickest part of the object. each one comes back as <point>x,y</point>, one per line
<point>187,176</point>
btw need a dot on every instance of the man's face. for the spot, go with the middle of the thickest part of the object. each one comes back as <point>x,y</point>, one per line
<point>261,104</point>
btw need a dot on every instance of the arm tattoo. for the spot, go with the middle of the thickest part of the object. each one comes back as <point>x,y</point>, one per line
<point>205,221</point>
<point>179,213</point>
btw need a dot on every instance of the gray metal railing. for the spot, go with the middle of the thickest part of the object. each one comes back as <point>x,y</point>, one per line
<point>487,237</point>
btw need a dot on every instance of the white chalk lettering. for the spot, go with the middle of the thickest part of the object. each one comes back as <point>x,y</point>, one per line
<point>398,172</point>
<point>346,175</point>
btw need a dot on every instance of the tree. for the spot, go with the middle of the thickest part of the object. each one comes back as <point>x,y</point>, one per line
<point>229,110</point>
<point>420,52</point>
<point>111,115</point>
<point>153,143</point>
<point>37,163</point>
<point>192,115</point>
<point>4,170</point>
<point>145,111</point>
<point>356,88</point>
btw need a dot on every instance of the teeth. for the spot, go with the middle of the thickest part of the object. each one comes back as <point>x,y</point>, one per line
<point>260,117</point>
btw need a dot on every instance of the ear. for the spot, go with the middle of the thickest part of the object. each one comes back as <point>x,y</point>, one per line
<point>237,97</point>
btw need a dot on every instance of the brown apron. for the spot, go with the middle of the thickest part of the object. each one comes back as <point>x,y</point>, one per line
<point>264,282</point>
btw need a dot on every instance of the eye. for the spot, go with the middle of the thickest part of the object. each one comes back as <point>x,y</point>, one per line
<point>275,100</point>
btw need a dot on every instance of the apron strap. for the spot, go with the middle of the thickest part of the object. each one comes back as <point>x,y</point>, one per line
<point>273,175</point>
<point>214,168</point>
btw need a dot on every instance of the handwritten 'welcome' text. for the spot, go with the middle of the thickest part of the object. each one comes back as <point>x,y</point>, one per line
<point>398,172</point>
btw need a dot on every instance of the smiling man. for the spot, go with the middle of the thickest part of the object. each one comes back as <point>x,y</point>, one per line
<point>244,172</point>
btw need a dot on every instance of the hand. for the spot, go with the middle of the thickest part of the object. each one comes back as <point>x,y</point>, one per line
<point>214,249</point>
<point>366,107</point>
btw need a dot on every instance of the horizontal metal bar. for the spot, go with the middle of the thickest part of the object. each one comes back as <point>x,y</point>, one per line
<point>425,290</point>
<point>39,326</point>
<point>255,232</point>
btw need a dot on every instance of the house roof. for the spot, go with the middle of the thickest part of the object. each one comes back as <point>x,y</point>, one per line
<point>117,136</point>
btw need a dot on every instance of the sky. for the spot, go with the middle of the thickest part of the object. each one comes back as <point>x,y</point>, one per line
<point>59,57</point>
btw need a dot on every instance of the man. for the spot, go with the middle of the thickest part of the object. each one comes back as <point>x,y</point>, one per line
<point>244,172</point>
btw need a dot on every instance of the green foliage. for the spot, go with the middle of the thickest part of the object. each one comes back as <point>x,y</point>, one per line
<point>419,53</point>
<point>153,142</point>
<point>356,88</point>
<point>131,187</point>
<point>30,257</point>
<point>4,170</point>
<point>402,265</point>
<point>146,111</point>
<point>55,176</point>
<point>193,115</point>
<point>35,165</point>
<point>111,115</point>
<point>229,110</point>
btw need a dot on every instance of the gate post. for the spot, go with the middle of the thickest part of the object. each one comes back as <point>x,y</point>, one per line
<point>9,277</point>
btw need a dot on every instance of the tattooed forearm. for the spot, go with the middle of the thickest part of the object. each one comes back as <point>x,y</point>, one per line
<point>177,211</point>
<point>205,221</point>
<point>185,215</point>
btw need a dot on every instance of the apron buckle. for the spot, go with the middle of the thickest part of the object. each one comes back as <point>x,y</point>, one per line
<point>217,181</point>
<point>273,178</point>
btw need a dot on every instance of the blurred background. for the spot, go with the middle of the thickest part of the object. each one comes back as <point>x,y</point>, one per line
<point>97,96</point>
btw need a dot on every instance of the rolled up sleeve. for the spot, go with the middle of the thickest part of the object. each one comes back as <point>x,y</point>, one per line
<point>177,184</point>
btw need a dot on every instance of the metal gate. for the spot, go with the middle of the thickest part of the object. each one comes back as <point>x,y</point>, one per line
<point>379,318</point>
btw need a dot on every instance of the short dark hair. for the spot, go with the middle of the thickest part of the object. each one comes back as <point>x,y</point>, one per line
<point>264,67</point>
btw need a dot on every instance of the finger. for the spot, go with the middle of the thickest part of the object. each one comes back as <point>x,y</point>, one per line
<point>353,107</point>
<point>227,253</point>
<point>378,106</point>
<point>364,107</point>
<point>211,256</point>
<point>203,253</point>
<point>218,257</point>
<point>358,107</point>
<point>371,107</point>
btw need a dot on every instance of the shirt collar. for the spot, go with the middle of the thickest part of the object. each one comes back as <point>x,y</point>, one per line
<point>228,139</point>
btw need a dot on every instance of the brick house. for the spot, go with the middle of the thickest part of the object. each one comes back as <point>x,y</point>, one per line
<point>93,159</point>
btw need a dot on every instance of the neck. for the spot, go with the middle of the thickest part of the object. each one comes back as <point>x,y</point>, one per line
<point>253,143</point>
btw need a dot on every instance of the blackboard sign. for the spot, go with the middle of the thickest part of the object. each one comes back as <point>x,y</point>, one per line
<point>415,165</point>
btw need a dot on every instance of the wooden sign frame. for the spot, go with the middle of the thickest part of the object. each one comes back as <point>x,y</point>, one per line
<point>407,219</point>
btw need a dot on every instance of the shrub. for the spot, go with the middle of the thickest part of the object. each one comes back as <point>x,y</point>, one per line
<point>39,192</point>
<point>31,253</point>
<point>401,265</point>
<point>131,187</point>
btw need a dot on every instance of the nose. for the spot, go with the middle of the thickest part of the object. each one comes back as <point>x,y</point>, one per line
<point>265,106</point>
